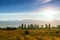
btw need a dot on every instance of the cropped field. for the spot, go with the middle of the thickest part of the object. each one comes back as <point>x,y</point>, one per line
<point>32,34</point>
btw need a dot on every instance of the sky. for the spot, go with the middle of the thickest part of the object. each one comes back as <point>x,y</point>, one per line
<point>29,9</point>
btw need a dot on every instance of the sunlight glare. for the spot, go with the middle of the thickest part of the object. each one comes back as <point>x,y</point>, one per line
<point>48,13</point>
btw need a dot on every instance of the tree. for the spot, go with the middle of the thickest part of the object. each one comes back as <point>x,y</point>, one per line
<point>53,27</point>
<point>19,26</point>
<point>49,26</point>
<point>58,26</point>
<point>31,26</point>
<point>10,28</point>
<point>46,26</point>
<point>22,25</point>
<point>28,26</point>
<point>42,27</point>
<point>36,26</point>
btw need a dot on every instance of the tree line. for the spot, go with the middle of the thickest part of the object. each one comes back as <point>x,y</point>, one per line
<point>31,26</point>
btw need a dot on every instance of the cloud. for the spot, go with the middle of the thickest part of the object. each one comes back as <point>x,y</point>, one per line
<point>46,1</point>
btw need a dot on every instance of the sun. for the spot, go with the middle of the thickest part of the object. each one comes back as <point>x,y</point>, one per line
<point>48,13</point>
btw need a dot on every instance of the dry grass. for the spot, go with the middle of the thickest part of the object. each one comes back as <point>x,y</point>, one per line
<point>33,35</point>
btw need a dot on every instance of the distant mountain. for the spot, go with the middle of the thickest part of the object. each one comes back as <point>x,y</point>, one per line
<point>39,22</point>
<point>55,22</point>
<point>42,22</point>
<point>10,23</point>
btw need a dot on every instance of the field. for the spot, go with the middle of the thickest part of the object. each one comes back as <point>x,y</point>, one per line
<point>31,35</point>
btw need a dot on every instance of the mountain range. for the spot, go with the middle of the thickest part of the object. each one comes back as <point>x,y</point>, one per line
<point>39,22</point>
